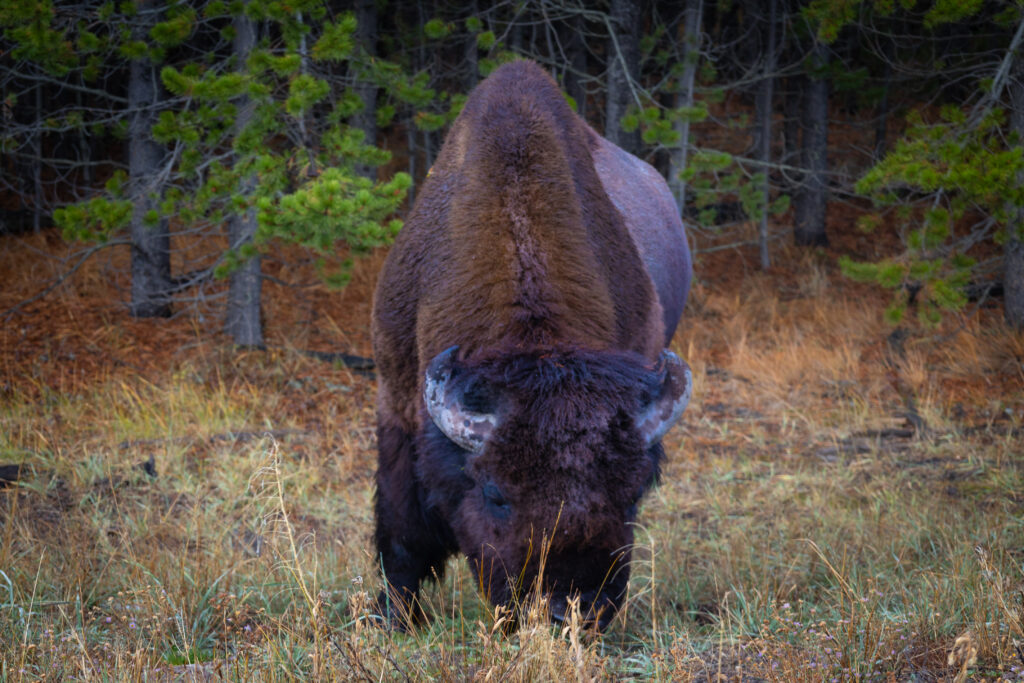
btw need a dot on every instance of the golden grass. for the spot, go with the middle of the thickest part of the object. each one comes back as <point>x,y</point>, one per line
<point>790,539</point>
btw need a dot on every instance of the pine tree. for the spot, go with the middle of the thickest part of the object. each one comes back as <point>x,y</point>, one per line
<point>967,161</point>
<point>247,97</point>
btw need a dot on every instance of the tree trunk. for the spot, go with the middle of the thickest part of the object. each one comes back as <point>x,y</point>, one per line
<point>692,15</point>
<point>1013,249</point>
<point>366,120</point>
<point>791,131</point>
<point>410,142</point>
<point>37,163</point>
<point>623,66</point>
<point>1013,274</point>
<point>570,35</point>
<point>151,243</point>
<point>84,144</point>
<point>305,139</point>
<point>472,65</point>
<point>882,123</point>
<point>515,41</point>
<point>243,320</point>
<point>424,61</point>
<point>764,128</point>
<point>811,198</point>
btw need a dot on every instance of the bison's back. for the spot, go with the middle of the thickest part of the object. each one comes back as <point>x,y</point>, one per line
<point>519,241</point>
<point>645,202</point>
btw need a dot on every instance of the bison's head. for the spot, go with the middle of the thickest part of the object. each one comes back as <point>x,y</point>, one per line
<point>538,462</point>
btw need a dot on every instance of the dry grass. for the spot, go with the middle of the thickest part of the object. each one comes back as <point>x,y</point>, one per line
<point>796,535</point>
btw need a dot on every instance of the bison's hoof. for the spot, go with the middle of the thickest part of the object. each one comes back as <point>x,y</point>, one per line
<point>399,612</point>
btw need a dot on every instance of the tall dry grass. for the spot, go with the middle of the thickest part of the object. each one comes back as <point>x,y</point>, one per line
<point>798,532</point>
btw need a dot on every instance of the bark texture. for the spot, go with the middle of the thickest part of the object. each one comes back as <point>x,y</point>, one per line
<point>692,15</point>
<point>366,120</point>
<point>472,65</point>
<point>243,320</point>
<point>812,197</point>
<point>623,66</point>
<point>151,244</point>
<point>764,132</point>
<point>791,128</point>
<point>1013,249</point>
<point>570,36</point>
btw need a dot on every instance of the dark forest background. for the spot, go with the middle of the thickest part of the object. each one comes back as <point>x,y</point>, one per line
<point>208,134</point>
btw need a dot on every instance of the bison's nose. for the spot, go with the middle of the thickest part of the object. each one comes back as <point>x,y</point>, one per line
<point>593,613</point>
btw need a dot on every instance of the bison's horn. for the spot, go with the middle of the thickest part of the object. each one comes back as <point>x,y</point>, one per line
<point>676,387</point>
<point>467,428</point>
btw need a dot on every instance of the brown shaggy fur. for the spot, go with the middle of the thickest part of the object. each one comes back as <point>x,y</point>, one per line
<point>518,248</point>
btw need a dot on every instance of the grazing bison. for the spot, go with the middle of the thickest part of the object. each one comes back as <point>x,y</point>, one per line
<point>519,329</point>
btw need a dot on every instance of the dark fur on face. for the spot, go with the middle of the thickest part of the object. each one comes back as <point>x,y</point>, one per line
<point>566,466</point>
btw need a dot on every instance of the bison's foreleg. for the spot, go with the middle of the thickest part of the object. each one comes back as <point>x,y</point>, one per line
<point>408,545</point>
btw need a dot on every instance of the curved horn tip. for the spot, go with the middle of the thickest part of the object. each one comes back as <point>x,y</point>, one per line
<point>677,388</point>
<point>668,358</point>
<point>467,429</point>
<point>442,363</point>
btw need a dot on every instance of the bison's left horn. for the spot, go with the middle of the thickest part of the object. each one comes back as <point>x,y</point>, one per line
<point>447,408</point>
<point>675,390</point>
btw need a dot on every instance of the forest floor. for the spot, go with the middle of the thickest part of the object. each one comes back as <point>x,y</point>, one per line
<point>841,501</point>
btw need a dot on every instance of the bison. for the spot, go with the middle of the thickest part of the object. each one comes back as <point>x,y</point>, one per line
<point>519,327</point>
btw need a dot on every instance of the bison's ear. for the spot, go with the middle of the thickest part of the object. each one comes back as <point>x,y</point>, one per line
<point>462,418</point>
<point>674,394</point>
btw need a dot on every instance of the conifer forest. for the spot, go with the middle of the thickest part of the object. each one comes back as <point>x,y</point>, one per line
<point>197,198</point>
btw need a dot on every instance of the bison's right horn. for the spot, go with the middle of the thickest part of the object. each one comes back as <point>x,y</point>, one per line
<point>671,401</point>
<point>446,406</point>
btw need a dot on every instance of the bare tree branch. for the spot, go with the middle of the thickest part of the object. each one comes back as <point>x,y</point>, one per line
<point>60,280</point>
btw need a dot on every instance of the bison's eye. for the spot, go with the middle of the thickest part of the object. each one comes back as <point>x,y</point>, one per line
<point>637,495</point>
<point>495,501</point>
